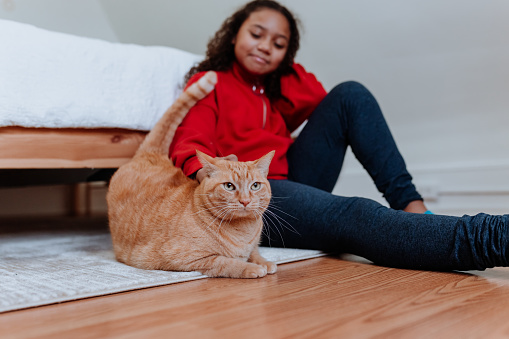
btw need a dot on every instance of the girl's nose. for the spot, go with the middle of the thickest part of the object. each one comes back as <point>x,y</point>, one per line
<point>264,46</point>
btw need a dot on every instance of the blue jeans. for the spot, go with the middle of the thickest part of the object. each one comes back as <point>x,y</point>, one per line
<point>304,213</point>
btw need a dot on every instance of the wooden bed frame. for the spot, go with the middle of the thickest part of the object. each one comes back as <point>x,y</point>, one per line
<point>65,149</point>
<point>45,148</point>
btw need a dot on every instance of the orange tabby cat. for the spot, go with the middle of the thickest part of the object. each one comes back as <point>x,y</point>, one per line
<point>161,219</point>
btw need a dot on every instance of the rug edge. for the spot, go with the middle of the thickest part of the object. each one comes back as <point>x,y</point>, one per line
<point>98,294</point>
<point>105,292</point>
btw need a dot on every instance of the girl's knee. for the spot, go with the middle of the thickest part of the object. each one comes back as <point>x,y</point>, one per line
<point>349,88</point>
<point>355,101</point>
<point>344,94</point>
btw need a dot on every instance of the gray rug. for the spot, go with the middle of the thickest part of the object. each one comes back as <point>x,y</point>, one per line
<point>41,267</point>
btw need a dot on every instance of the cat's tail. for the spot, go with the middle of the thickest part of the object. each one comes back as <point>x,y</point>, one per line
<point>158,140</point>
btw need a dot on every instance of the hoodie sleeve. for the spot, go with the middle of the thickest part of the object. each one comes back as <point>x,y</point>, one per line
<point>196,132</point>
<point>301,92</point>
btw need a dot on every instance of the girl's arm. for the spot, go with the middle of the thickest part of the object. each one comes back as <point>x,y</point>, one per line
<point>302,92</point>
<point>196,132</point>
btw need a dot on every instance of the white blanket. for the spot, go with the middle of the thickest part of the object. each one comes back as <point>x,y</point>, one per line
<point>50,79</point>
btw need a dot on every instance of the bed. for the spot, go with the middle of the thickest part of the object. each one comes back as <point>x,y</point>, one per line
<point>69,102</point>
<point>46,148</point>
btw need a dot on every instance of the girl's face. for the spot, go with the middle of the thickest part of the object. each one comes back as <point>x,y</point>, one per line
<point>262,41</point>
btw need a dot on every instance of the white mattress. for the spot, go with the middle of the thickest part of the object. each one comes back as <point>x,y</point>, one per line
<point>50,79</point>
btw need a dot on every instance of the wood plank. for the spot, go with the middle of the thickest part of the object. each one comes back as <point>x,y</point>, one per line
<point>67,148</point>
<point>319,298</point>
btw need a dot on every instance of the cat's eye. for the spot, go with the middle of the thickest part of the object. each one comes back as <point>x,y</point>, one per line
<point>229,186</point>
<point>256,186</point>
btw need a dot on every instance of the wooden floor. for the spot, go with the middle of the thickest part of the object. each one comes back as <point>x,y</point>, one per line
<point>317,298</point>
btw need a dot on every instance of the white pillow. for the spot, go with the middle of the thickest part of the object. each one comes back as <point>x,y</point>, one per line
<point>50,79</point>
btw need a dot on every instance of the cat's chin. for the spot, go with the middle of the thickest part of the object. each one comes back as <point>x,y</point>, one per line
<point>246,214</point>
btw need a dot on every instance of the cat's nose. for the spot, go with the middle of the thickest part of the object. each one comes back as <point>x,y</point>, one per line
<point>245,202</point>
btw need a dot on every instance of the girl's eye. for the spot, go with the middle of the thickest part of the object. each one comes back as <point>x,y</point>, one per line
<point>256,186</point>
<point>278,46</point>
<point>229,186</point>
<point>254,35</point>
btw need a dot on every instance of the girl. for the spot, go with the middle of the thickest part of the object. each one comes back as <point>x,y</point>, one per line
<point>262,96</point>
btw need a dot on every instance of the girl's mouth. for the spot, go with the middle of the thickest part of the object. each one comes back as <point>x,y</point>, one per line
<point>260,59</point>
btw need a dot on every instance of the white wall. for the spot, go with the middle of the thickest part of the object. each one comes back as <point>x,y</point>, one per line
<point>438,68</point>
<point>80,17</point>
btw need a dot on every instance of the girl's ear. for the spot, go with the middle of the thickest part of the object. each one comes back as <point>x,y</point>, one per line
<point>264,162</point>
<point>207,163</point>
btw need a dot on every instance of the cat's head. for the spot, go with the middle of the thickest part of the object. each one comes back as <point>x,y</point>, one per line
<point>235,189</point>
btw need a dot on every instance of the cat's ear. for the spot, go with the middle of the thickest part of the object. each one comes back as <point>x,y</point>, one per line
<point>264,162</point>
<point>207,162</point>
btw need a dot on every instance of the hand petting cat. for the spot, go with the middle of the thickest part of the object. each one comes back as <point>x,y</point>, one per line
<point>201,173</point>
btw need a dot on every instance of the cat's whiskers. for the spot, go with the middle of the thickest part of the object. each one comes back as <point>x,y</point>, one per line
<point>282,222</point>
<point>265,230</point>
<point>228,212</point>
<point>270,218</point>
<point>280,210</point>
<point>214,222</point>
<point>221,212</point>
<point>267,222</point>
<point>211,208</point>
<point>214,209</point>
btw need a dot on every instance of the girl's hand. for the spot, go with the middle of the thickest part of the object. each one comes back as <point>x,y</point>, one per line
<point>201,173</point>
<point>231,157</point>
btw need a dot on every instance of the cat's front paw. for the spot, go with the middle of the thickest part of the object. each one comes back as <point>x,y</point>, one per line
<point>253,271</point>
<point>270,266</point>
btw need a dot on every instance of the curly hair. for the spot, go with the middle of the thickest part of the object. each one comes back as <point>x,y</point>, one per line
<point>220,49</point>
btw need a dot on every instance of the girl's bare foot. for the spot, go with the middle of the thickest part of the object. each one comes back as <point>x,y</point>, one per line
<point>416,206</point>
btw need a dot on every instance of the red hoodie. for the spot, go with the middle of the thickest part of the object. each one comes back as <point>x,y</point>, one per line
<point>237,118</point>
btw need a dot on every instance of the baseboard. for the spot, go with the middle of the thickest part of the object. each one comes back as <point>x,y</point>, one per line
<point>448,188</point>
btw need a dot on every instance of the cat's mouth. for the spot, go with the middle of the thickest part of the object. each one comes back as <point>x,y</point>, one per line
<point>242,211</point>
